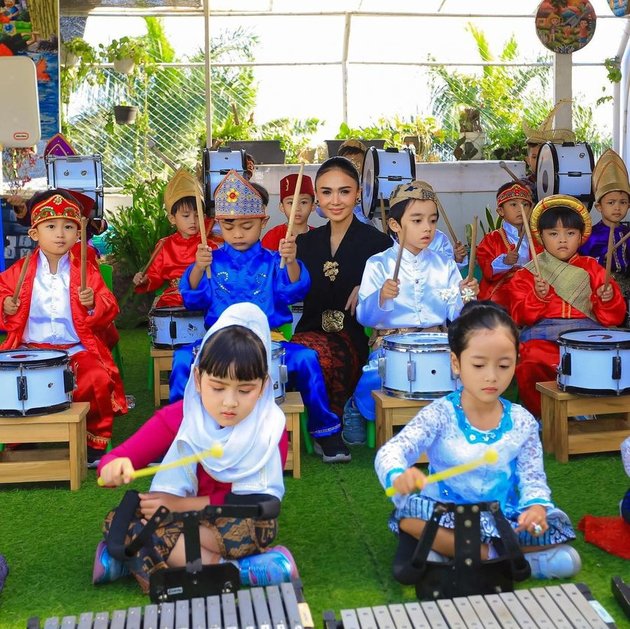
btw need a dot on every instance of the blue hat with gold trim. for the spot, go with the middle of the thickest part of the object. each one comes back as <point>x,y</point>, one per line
<point>234,197</point>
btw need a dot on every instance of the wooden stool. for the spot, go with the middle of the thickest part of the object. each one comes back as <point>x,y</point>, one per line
<point>162,365</point>
<point>292,407</point>
<point>563,437</point>
<point>43,464</point>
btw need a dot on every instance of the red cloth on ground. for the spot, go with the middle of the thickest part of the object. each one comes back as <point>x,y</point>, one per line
<point>611,534</point>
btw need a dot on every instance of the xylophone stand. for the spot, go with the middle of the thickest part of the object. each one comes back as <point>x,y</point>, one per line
<point>621,592</point>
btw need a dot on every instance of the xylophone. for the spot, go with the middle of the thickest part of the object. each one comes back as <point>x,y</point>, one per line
<point>273,607</point>
<point>554,607</point>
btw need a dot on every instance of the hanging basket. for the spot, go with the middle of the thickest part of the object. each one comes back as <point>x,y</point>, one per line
<point>124,66</point>
<point>125,114</point>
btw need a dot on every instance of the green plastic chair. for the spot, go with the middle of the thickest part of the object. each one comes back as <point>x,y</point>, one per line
<point>107,273</point>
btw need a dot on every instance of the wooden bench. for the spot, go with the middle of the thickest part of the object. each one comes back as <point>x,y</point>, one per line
<point>292,407</point>
<point>563,436</point>
<point>46,464</point>
<point>162,365</point>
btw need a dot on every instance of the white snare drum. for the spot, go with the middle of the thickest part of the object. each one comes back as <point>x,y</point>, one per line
<point>595,361</point>
<point>34,382</point>
<point>172,327</point>
<point>383,170</point>
<point>565,169</point>
<point>416,366</point>
<point>278,371</point>
<point>217,164</point>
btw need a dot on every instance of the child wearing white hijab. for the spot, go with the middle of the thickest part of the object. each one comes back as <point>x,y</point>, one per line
<point>229,400</point>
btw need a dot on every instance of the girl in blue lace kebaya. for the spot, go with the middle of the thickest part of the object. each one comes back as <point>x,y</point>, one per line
<point>461,427</point>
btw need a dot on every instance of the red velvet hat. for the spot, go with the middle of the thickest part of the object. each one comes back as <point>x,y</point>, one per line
<point>288,183</point>
<point>52,204</point>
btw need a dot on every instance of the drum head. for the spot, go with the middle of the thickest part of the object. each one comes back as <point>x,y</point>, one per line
<point>32,358</point>
<point>369,182</point>
<point>606,338</point>
<point>547,171</point>
<point>417,342</point>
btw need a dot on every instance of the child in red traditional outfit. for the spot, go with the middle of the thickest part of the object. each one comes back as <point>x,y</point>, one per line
<point>571,292</point>
<point>52,312</point>
<point>496,253</point>
<point>177,251</point>
<point>271,240</point>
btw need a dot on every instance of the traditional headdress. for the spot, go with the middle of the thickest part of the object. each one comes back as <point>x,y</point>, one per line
<point>419,190</point>
<point>609,174</point>
<point>183,184</point>
<point>236,198</point>
<point>515,191</point>
<point>559,200</point>
<point>545,132</point>
<point>355,145</point>
<point>54,205</point>
<point>288,183</point>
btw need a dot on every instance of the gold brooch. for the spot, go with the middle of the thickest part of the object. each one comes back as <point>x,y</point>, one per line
<point>331,270</point>
<point>332,320</point>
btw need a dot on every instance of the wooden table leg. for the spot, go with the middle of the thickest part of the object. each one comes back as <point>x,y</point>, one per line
<point>561,429</point>
<point>548,419</point>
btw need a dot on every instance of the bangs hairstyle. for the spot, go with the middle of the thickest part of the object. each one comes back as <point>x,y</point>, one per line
<point>189,202</point>
<point>234,352</point>
<point>479,315</point>
<point>566,217</point>
<point>338,163</point>
<point>397,211</point>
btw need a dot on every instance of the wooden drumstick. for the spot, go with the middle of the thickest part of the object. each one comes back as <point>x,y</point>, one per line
<point>383,213</point>
<point>609,255</point>
<point>621,241</point>
<point>202,227</point>
<point>506,168</point>
<point>18,286</point>
<point>473,250</point>
<point>399,256</point>
<point>215,451</point>
<point>443,214</point>
<point>491,457</point>
<point>83,253</point>
<point>294,206</point>
<point>532,248</point>
<point>157,249</point>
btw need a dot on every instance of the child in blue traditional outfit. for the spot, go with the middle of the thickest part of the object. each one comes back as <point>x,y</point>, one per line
<point>242,270</point>
<point>612,198</point>
<point>427,293</point>
<point>461,427</point>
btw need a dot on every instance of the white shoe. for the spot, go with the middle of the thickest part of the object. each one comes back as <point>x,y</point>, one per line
<point>558,562</point>
<point>436,557</point>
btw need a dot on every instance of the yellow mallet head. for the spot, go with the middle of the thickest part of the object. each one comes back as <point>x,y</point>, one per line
<point>491,456</point>
<point>216,451</point>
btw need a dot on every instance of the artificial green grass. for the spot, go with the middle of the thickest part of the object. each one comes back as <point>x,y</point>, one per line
<point>334,520</point>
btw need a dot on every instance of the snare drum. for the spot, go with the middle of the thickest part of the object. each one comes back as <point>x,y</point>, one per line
<point>565,169</point>
<point>173,327</point>
<point>595,361</point>
<point>34,382</point>
<point>416,366</point>
<point>383,170</point>
<point>278,371</point>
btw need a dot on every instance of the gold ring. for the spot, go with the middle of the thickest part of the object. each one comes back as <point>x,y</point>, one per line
<point>537,529</point>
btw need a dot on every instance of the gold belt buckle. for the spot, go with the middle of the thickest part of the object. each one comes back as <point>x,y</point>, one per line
<point>332,320</point>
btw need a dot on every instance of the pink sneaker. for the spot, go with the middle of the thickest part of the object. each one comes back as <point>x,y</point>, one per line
<point>272,567</point>
<point>106,569</point>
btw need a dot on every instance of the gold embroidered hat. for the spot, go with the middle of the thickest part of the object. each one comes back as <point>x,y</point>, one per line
<point>183,184</point>
<point>236,198</point>
<point>609,174</point>
<point>559,200</point>
<point>546,132</point>
<point>516,190</point>
<point>55,205</point>
<point>419,190</point>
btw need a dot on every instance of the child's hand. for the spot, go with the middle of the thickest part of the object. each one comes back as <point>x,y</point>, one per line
<point>605,293</point>
<point>10,307</point>
<point>412,479</point>
<point>533,520</point>
<point>353,300</point>
<point>469,286</point>
<point>203,258</point>
<point>541,287</point>
<point>139,278</point>
<point>117,472</point>
<point>511,257</point>
<point>288,249</point>
<point>151,501</point>
<point>86,297</point>
<point>390,290</point>
<point>461,251</point>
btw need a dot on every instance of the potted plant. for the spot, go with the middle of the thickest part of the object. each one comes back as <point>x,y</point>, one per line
<point>471,137</point>
<point>127,53</point>
<point>78,63</point>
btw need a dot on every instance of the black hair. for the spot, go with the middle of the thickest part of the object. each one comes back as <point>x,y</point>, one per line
<point>250,157</point>
<point>191,202</point>
<point>338,163</point>
<point>350,150</point>
<point>38,197</point>
<point>262,192</point>
<point>478,315</point>
<point>397,211</point>
<point>234,352</point>
<point>567,217</point>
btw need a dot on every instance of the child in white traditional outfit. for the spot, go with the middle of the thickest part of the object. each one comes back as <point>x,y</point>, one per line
<point>461,427</point>
<point>229,400</point>
<point>427,293</point>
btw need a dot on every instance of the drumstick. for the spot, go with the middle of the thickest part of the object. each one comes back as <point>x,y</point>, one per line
<point>202,227</point>
<point>399,256</point>
<point>490,457</point>
<point>621,241</point>
<point>215,451</point>
<point>442,211</point>
<point>294,205</point>
<point>532,248</point>
<point>159,246</point>
<point>473,250</point>
<point>505,167</point>
<point>18,286</point>
<point>83,253</point>
<point>609,255</point>
<point>383,214</point>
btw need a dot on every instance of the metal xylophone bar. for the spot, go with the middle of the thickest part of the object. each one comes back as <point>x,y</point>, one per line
<point>555,607</point>
<point>273,607</point>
